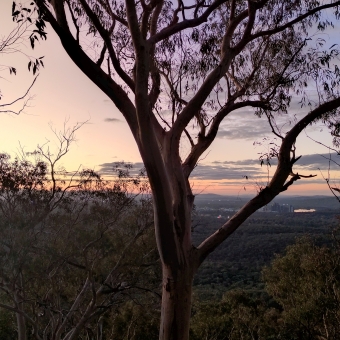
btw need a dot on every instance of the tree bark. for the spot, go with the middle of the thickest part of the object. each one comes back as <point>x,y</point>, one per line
<point>21,321</point>
<point>176,303</point>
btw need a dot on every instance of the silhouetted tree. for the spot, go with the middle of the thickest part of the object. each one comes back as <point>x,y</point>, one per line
<point>175,70</point>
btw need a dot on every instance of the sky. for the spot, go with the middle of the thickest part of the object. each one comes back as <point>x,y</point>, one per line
<point>63,95</point>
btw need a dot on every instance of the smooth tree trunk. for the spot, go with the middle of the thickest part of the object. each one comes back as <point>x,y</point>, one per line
<point>176,304</point>
<point>21,324</point>
<point>21,321</point>
<point>173,223</point>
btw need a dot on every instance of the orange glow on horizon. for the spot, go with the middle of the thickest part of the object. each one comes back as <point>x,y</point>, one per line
<point>223,188</point>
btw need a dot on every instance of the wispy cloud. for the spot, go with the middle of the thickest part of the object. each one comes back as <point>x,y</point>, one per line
<point>112,120</point>
<point>246,162</point>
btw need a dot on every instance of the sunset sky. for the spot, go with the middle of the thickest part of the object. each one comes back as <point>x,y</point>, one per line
<point>62,93</point>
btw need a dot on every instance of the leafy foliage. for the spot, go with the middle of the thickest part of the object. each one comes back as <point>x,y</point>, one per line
<point>300,301</point>
<point>306,283</point>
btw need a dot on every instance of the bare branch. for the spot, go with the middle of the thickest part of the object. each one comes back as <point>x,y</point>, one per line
<point>73,308</point>
<point>175,28</point>
<point>106,37</point>
<point>293,22</point>
<point>17,100</point>
<point>93,71</point>
<point>276,185</point>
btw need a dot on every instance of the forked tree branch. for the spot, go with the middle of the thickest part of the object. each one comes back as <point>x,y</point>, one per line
<point>93,71</point>
<point>175,28</point>
<point>106,5</point>
<point>17,100</point>
<point>204,142</point>
<point>294,21</point>
<point>228,55</point>
<point>106,36</point>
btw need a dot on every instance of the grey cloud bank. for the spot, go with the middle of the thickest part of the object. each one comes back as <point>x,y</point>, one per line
<point>108,169</point>
<point>238,170</point>
<point>247,126</point>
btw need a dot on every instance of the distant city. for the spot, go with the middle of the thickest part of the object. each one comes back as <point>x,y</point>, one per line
<point>225,206</point>
<point>276,207</point>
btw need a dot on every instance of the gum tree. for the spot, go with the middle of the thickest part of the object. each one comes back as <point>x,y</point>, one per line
<point>175,70</point>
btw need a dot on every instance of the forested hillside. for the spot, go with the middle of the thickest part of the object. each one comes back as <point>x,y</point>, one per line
<point>239,261</point>
<point>79,261</point>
